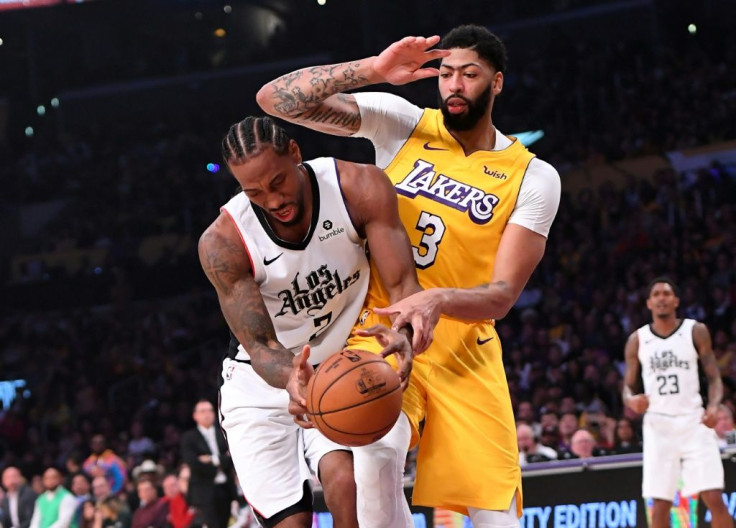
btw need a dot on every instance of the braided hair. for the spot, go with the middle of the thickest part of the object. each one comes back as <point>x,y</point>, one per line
<point>250,136</point>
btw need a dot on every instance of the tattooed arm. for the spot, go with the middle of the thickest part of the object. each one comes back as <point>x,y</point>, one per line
<point>313,96</point>
<point>227,266</point>
<point>702,341</point>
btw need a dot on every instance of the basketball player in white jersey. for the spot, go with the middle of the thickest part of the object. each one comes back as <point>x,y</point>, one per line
<point>287,259</point>
<point>679,439</point>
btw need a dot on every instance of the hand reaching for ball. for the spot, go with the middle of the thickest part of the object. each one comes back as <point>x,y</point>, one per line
<point>297,387</point>
<point>393,343</point>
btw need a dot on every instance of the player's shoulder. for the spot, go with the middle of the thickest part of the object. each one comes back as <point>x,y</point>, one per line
<point>543,169</point>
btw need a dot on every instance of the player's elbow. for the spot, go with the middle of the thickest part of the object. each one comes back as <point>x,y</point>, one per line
<point>265,100</point>
<point>503,301</point>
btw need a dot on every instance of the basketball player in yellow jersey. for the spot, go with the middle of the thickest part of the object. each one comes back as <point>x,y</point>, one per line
<point>478,208</point>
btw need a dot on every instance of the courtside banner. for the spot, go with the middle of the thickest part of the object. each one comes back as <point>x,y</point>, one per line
<point>603,492</point>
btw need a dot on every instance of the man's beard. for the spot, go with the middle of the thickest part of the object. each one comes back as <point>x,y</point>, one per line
<point>468,120</point>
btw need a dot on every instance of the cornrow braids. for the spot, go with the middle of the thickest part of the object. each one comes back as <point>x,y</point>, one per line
<point>250,136</point>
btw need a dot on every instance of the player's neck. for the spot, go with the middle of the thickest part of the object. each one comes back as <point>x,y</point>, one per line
<point>481,137</point>
<point>665,325</point>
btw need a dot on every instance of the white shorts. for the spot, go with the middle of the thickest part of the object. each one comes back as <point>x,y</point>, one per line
<point>677,446</point>
<point>272,455</point>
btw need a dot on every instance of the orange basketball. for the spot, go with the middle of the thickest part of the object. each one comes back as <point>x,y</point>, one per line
<point>354,397</point>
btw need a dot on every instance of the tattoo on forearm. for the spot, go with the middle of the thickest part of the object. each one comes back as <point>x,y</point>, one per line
<point>320,82</point>
<point>244,310</point>
<point>333,117</point>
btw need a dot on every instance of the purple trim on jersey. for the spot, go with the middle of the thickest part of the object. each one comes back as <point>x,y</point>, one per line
<point>452,193</point>
<point>345,201</point>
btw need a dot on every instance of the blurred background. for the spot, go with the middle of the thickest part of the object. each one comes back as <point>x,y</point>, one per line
<point>111,115</point>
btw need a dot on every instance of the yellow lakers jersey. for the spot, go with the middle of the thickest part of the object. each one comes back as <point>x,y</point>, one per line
<point>454,206</point>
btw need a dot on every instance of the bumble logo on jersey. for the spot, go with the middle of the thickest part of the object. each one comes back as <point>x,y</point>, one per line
<point>312,292</point>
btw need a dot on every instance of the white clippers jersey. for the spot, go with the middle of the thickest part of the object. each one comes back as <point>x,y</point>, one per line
<point>313,290</point>
<point>670,370</point>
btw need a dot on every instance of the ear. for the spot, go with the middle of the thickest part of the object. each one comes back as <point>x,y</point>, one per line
<point>497,84</point>
<point>294,151</point>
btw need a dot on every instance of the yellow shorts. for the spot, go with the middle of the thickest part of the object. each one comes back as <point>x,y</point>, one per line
<point>468,455</point>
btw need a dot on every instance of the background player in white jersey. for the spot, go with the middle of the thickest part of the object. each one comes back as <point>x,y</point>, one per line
<point>678,435</point>
<point>288,261</point>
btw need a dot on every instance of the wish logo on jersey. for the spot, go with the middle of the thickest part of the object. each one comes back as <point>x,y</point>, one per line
<point>666,359</point>
<point>311,293</point>
<point>424,181</point>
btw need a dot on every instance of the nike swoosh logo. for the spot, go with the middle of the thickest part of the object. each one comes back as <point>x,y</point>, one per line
<point>428,147</point>
<point>483,341</point>
<point>267,262</point>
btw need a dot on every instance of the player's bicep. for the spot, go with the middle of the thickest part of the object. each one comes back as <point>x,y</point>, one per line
<point>631,355</point>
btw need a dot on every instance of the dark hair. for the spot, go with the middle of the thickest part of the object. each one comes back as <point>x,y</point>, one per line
<point>250,136</point>
<point>665,280</point>
<point>478,38</point>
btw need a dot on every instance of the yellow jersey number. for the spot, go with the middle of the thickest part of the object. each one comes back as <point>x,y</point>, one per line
<point>433,229</point>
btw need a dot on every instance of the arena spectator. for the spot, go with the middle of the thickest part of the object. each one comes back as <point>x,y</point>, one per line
<point>530,450</point>
<point>16,507</point>
<point>625,438</point>
<point>104,462</point>
<point>725,428</point>
<point>55,507</point>
<point>153,511</point>
<point>180,514</point>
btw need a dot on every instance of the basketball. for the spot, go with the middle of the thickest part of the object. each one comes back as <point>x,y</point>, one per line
<point>354,398</point>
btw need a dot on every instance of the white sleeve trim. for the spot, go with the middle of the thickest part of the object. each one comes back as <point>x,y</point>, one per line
<point>387,120</point>
<point>539,198</point>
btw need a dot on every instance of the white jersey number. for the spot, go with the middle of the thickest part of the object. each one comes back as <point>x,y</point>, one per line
<point>321,323</point>
<point>434,229</point>
<point>668,384</point>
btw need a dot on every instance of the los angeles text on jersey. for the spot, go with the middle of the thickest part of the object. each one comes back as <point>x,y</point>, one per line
<point>424,181</point>
<point>667,359</point>
<point>312,292</point>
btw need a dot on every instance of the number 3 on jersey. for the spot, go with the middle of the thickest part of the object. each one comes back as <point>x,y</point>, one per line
<point>434,229</point>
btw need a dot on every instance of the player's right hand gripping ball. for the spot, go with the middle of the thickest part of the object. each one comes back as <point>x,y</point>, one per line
<point>354,397</point>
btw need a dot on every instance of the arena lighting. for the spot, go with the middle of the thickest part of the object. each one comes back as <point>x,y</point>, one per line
<point>529,137</point>
<point>41,110</point>
<point>29,131</point>
<point>692,29</point>
<point>55,102</point>
<point>321,2</point>
<point>219,32</point>
<point>228,9</point>
<point>1,42</point>
<point>213,167</point>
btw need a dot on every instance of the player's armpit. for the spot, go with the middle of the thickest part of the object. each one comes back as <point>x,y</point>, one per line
<point>227,266</point>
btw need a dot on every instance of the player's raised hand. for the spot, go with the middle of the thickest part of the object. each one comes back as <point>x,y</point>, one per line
<point>393,343</point>
<point>420,310</point>
<point>297,387</point>
<point>710,417</point>
<point>638,403</point>
<point>402,61</point>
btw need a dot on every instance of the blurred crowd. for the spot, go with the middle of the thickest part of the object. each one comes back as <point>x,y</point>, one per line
<point>118,350</point>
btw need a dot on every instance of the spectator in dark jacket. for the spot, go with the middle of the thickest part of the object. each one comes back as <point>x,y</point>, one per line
<point>16,508</point>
